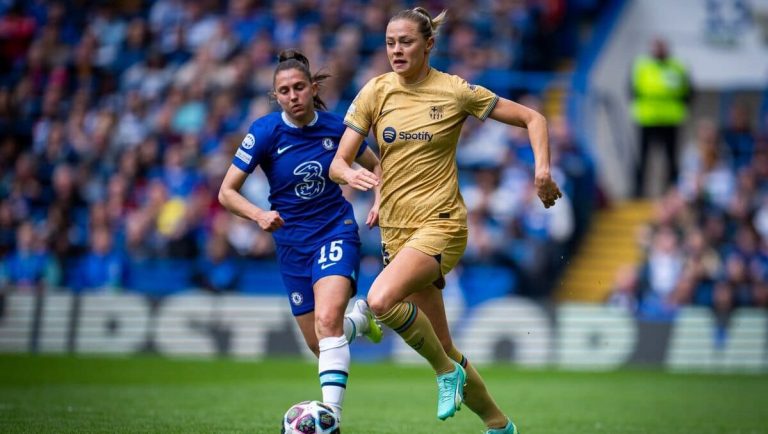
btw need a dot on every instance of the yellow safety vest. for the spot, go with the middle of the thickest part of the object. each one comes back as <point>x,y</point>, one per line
<point>660,89</point>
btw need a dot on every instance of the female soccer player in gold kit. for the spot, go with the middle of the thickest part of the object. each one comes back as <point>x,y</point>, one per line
<point>416,114</point>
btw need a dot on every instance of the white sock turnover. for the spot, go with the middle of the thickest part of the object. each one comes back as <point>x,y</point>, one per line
<point>333,369</point>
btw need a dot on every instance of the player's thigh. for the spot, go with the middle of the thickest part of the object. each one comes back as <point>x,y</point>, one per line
<point>409,271</point>
<point>296,272</point>
<point>444,240</point>
<point>332,294</point>
<point>338,258</point>
<point>306,324</point>
<point>335,267</point>
<point>430,301</point>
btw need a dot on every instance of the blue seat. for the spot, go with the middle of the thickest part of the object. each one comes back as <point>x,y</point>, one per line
<point>260,277</point>
<point>160,277</point>
<point>480,283</point>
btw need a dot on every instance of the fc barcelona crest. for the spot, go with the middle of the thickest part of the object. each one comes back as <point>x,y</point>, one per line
<point>436,112</point>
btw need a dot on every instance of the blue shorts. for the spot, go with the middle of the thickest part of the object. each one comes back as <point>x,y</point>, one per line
<point>302,266</point>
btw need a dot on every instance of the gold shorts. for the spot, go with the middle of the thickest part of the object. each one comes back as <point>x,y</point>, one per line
<point>445,240</point>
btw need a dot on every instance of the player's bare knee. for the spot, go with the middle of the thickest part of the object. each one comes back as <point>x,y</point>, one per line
<point>328,324</point>
<point>379,302</point>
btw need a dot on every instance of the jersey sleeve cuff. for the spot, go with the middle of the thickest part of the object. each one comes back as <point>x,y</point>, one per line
<point>489,109</point>
<point>359,130</point>
<point>241,165</point>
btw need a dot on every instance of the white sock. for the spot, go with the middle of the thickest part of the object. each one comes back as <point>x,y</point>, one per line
<point>333,368</point>
<point>355,324</point>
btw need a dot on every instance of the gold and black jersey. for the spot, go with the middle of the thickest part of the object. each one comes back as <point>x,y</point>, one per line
<point>417,127</point>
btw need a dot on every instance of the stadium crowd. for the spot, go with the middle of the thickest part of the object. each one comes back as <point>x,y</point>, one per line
<point>119,119</point>
<point>708,242</point>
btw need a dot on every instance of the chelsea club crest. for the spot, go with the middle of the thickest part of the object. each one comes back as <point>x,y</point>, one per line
<point>328,143</point>
<point>297,298</point>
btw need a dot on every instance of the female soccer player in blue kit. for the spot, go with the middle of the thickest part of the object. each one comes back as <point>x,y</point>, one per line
<point>313,226</point>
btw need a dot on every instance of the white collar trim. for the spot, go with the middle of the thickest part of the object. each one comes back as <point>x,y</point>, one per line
<point>292,125</point>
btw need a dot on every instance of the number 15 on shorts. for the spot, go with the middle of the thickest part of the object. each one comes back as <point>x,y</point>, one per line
<point>330,254</point>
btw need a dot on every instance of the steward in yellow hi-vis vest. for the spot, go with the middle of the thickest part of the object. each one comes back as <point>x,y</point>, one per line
<point>661,92</point>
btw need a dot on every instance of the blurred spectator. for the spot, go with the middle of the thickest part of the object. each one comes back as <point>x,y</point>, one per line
<point>102,268</point>
<point>249,241</point>
<point>624,293</point>
<point>29,267</point>
<point>703,266</point>
<point>17,30</point>
<point>760,221</point>
<point>25,191</point>
<point>190,116</point>
<point>245,20</point>
<point>151,77</point>
<point>661,92</point>
<point>706,176</point>
<point>536,45</point>
<point>579,172</point>
<point>133,49</point>
<point>218,270</point>
<point>660,275</point>
<point>737,288</point>
<point>200,24</point>
<point>7,229</point>
<point>373,28</point>
<point>109,28</point>
<point>738,136</point>
<point>132,125</point>
<point>285,27</point>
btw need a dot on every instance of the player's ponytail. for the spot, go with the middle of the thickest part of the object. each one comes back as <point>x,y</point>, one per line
<point>294,59</point>
<point>428,26</point>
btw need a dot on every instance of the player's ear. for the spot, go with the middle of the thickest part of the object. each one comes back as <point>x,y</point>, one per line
<point>315,88</point>
<point>430,44</point>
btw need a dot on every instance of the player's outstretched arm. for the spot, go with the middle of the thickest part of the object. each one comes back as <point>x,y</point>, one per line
<point>512,113</point>
<point>341,171</point>
<point>231,199</point>
<point>371,162</point>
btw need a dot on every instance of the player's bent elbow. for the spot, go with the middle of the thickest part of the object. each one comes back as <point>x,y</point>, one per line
<point>539,119</point>
<point>223,199</point>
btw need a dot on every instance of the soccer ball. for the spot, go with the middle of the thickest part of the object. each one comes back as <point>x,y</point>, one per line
<point>310,417</point>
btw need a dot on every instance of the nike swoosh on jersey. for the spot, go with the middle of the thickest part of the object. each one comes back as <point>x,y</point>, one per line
<point>324,266</point>
<point>283,149</point>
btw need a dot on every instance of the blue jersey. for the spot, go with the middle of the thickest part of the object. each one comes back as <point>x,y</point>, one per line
<point>296,161</point>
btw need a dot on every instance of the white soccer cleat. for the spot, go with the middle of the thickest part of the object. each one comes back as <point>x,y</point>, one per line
<point>373,331</point>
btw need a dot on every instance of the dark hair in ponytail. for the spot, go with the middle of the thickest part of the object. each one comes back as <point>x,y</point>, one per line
<point>428,26</point>
<point>293,59</point>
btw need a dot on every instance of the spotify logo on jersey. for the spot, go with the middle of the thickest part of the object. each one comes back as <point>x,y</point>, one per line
<point>389,134</point>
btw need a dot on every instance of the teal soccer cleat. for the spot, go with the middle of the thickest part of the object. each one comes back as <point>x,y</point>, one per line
<point>509,429</point>
<point>450,392</point>
<point>373,333</point>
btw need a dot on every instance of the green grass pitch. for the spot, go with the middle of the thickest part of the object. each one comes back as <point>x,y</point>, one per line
<point>50,394</point>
